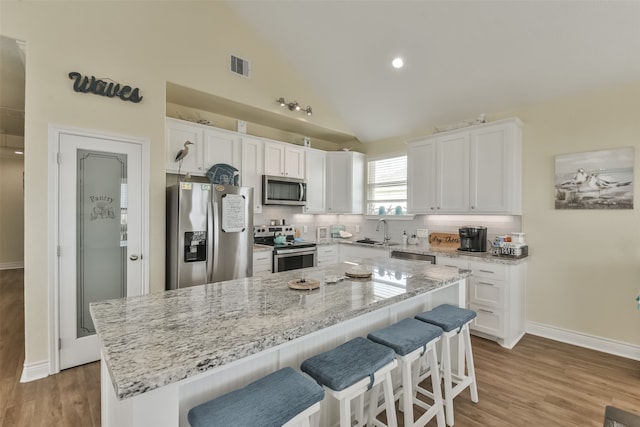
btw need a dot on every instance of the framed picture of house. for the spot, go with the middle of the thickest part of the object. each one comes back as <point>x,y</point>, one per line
<point>600,179</point>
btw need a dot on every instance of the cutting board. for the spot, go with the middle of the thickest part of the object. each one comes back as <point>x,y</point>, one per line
<point>444,240</point>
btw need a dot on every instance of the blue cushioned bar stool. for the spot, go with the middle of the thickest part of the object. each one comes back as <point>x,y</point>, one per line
<point>412,339</point>
<point>283,398</point>
<point>349,371</point>
<point>454,321</point>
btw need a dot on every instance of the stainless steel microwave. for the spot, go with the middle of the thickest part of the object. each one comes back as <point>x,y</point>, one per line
<point>282,190</point>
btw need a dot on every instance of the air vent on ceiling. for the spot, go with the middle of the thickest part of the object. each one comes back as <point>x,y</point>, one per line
<point>240,66</point>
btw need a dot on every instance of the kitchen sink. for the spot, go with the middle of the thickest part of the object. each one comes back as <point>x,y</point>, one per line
<point>376,242</point>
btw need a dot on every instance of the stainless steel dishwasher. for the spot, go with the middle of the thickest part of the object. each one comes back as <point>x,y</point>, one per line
<point>415,257</point>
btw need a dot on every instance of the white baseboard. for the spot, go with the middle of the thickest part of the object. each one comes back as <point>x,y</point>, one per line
<point>593,342</point>
<point>34,371</point>
<point>11,265</point>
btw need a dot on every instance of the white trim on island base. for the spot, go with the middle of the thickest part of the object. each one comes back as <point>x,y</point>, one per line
<point>34,371</point>
<point>580,339</point>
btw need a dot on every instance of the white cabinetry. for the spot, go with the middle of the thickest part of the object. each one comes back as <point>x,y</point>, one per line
<point>210,146</point>
<point>327,254</point>
<point>316,171</point>
<point>345,182</point>
<point>496,292</point>
<point>496,170</point>
<point>262,262</point>
<point>356,252</point>
<point>220,146</point>
<point>475,170</point>
<point>283,159</point>
<point>251,168</point>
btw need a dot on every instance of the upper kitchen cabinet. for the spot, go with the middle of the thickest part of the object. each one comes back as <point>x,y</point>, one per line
<point>177,133</point>
<point>252,168</point>
<point>496,168</point>
<point>282,159</point>
<point>474,170</point>
<point>316,171</point>
<point>221,146</point>
<point>345,182</point>
<point>210,146</point>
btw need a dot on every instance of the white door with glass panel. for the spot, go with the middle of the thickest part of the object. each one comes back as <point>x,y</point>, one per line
<point>100,234</point>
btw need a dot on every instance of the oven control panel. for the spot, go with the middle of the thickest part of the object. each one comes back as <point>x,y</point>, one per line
<point>273,230</point>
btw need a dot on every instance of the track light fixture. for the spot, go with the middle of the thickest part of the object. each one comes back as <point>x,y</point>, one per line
<point>294,106</point>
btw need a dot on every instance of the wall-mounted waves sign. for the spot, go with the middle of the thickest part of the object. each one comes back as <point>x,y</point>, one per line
<point>100,87</point>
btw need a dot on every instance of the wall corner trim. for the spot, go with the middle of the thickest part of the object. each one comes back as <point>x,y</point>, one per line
<point>605,345</point>
<point>34,371</point>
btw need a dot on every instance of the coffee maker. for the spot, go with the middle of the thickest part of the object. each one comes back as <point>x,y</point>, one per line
<point>473,238</point>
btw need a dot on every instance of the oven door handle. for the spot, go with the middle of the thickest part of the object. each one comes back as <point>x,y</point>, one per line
<point>289,252</point>
<point>301,192</point>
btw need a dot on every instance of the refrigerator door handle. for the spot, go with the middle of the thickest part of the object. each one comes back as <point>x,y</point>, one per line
<point>210,245</point>
<point>216,238</point>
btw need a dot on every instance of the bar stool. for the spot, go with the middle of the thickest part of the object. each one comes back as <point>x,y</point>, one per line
<point>412,339</point>
<point>454,321</point>
<point>283,398</point>
<point>349,371</point>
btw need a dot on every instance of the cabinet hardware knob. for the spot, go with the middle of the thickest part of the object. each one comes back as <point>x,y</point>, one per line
<point>485,311</point>
<point>133,257</point>
<point>486,283</point>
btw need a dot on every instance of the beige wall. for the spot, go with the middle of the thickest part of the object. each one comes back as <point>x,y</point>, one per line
<point>584,269</point>
<point>582,274</point>
<point>143,44</point>
<point>11,211</point>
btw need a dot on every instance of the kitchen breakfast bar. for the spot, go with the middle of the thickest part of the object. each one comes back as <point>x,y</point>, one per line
<point>164,353</point>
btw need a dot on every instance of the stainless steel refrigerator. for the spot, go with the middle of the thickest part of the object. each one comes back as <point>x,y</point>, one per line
<point>209,233</point>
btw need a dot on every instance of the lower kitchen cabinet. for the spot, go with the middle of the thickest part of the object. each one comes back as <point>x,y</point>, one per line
<point>496,292</point>
<point>262,262</point>
<point>327,254</point>
<point>355,252</point>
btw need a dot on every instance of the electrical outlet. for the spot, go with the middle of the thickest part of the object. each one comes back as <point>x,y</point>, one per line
<point>422,232</point>
<point>305,228</point>
<point>357,228</point>
<point>242,126</point>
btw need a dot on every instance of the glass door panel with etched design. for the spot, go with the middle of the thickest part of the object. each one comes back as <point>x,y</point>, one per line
<point>101,233</point>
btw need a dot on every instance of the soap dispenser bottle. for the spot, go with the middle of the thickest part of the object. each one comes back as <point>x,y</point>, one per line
<point>404,238</point>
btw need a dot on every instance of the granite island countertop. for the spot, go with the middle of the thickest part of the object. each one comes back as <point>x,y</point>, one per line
<point>153,340</point>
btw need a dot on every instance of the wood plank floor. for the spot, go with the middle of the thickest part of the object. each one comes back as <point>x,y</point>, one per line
<point>538,383</point>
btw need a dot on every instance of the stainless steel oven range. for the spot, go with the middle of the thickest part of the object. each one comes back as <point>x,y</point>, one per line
<point>288,254</point>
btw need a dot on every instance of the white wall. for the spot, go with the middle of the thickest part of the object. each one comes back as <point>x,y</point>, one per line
<point>144,45</point>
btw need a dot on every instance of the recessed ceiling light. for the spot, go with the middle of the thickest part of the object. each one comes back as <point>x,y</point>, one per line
<point>19,152</point>
<point>397,63</point>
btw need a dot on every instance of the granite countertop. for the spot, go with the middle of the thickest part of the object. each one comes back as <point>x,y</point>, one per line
<point>259,248</point>
<point>431,250</point>
<point>157,339</point>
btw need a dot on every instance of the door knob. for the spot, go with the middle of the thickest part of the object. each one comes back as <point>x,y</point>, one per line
<point>133,257</point>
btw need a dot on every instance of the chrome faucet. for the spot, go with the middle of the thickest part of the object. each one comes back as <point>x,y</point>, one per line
<point>385,230</point>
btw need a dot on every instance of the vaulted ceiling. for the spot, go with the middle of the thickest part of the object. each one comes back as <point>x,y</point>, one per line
<point>462,58</point>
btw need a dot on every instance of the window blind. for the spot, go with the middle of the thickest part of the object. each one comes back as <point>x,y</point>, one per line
<point>387,185</point>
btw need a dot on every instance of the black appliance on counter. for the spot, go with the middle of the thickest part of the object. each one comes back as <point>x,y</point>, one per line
<point>473,238</point>
<point>288,254</point>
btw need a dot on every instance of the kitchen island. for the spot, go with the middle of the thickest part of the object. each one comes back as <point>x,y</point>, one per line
<point>164,353</point>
